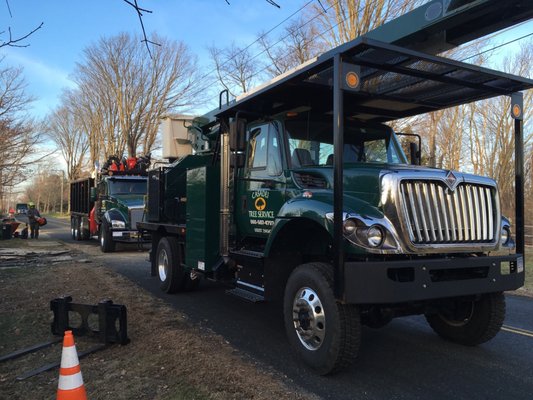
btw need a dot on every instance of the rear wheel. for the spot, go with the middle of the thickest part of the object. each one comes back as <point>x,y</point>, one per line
<point>73,227</point>
<point>107,245</point>
<point>84,230</point>
<point>469,322</point>
<point>172,277</point>
<point>78,229</point>
<point>324,333</point>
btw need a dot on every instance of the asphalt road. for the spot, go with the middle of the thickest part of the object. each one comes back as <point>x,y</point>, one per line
<point>404,360</point>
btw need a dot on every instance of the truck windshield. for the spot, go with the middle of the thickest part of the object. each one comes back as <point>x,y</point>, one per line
<point>117,187</point>
<point>311,144</point>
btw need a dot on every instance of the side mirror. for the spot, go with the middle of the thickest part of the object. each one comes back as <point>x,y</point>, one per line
<point>237,142</point>
<point>414,148</point>
<point>414,153</point>
<point>237,135</point>
<point>92,194</point>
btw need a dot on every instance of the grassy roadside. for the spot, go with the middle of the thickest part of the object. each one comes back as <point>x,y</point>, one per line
<point>168,357</point>
<point>528,286</point>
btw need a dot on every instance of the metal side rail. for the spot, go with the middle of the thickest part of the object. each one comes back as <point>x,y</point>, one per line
<point>31,349</point>
<point>50,366</point>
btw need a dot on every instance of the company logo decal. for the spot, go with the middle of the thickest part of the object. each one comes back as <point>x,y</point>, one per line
<point>260,204</point>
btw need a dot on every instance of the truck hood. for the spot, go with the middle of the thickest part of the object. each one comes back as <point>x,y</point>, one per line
<point>362,180</point>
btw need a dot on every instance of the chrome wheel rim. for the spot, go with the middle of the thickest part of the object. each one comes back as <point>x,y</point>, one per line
<point>102,239</point>
<point>309,318</point>
<point>162,265</point>
<point>464,318</point>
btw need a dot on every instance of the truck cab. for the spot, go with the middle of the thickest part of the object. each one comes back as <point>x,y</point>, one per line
<point>119,206</point>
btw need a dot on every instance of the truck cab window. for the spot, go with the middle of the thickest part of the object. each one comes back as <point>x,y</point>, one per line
<point>311,144</point>
<point>258,147</point>
<point>128,187</point>
<point>264,156</point>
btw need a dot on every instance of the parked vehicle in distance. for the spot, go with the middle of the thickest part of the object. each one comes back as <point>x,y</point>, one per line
<point>110,205</point>
<point>21,208</point>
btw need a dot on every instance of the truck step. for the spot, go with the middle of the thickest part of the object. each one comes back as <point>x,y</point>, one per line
<point>247,253</point>
<point>246,295</point>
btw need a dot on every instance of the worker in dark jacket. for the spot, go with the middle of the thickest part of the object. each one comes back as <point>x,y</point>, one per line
<point>33,214</point>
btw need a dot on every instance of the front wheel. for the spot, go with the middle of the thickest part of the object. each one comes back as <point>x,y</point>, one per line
<point>323,332</point>
<point>107,245</point>
<point>469,322</point>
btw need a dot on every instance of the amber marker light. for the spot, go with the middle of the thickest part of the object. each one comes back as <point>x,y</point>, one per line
<point>352,79</point>
<point>517,111</point>
<point>291,114</point>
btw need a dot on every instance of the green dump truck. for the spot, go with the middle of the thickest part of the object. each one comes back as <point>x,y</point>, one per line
<point>300,192</point>
<point>108,207</point>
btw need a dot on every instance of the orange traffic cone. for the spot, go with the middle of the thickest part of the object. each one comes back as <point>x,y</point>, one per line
<point>70,385</point>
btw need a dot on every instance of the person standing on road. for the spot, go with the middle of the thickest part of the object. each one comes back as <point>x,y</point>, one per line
<point>33,214</point>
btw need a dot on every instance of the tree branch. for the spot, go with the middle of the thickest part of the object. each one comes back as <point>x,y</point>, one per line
<point>13,42</point>
<point>139,11</point>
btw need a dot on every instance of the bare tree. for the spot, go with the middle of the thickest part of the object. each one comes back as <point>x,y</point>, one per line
<point>236,68</point>
<point>491,139</point>
<point>124,94</point>
<point>340,21</point>
<point>43,188</point>
<point>66,130</point>
<point>17,133</point>
<point>295,46</point>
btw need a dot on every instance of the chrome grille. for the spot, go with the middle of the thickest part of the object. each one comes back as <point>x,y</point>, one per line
<point>136,215</point>
<point>435,214</point>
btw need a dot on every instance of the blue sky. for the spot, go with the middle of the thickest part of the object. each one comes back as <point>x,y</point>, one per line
<point>70,26</point>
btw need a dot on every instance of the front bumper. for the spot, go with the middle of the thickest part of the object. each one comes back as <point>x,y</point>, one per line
<point>130,236</point>
<point>385,282</point>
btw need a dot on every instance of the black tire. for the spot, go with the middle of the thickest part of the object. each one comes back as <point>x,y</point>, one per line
<point>328,341</point>
<point>77,229</point>
<point>470,322</point>
<point>84,231</point>
<point>107,245</point>
<point>170,272</point>
<point>73,228</point>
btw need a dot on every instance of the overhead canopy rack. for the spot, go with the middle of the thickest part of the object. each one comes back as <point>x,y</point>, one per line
<point>372,81</point>
<point>394,83</point>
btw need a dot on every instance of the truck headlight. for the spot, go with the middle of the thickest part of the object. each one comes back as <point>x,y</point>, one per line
<point>349,226</point>
<point>505,235</point>
<point>374,236</point>
<point>118,224</point>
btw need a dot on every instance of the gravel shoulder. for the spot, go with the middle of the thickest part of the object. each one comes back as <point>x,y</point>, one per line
<point>168,357</point>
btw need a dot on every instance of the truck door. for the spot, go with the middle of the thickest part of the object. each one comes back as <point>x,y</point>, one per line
<point>261,186</point>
